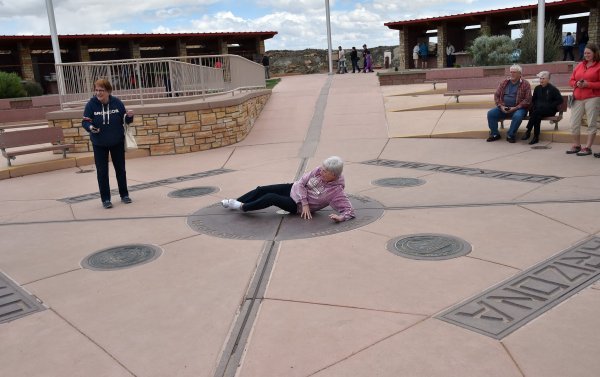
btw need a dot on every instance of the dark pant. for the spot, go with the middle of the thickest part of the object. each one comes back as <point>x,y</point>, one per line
<point>267,196</point>
<point>117,154</point>
<point>535,119</point>
<point>355,66</point>
<point>568,52</point>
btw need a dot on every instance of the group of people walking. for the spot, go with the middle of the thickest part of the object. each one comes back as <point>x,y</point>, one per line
<point>354,59</point>
<point>514,100</point>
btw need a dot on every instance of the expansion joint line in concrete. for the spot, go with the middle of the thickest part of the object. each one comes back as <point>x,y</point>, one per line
<point>233,352</point>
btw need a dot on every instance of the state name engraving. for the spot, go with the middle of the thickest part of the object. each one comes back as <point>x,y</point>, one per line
<point>147,185</point>
<point>502,309</point>
<point>473,172</point>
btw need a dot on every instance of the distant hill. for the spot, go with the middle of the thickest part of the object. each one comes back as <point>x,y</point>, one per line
<point>290,62</point>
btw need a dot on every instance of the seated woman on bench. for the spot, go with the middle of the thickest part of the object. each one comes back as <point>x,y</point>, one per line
<point>316,190</point>
<point>544,103</point>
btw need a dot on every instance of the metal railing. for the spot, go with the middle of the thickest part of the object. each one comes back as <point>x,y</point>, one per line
<point>162,79</point>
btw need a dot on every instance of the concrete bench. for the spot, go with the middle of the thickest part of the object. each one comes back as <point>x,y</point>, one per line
<point>435,76</point>
<point>534,69</point>
<point>553,119</point>
<point>33,138</point>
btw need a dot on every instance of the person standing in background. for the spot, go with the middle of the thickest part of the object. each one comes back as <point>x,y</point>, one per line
<point>583,40</point>
<point>354,60</point>
<point>265,63</point>
<point>341,60</point>
<point>568,43</point>
<point>423,54</point>
<point>416,55</point>
<point>450,56</point>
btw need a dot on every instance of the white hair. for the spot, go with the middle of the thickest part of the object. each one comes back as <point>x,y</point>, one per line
<point>334,164</point>
<point>516,67</point>
<point>545,74</point>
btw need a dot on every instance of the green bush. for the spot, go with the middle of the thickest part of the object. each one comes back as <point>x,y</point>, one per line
<point>10,86</point>
<point>492,50</point>
<point>32,88</point>
<point>552,43</point>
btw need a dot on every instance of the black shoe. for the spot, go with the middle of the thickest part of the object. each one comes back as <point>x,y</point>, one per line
<point>597,155</point>
<point>574,149</point>
<point>107,204</point>
<point>511,140</point>
<point>527,135</point>
<point>126,199</point>
<point>534,140</point>
<point>493,138</point>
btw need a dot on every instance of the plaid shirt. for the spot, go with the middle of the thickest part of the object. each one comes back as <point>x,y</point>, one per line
<point>523,94</point>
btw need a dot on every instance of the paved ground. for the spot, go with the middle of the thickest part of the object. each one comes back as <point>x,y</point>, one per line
<point>337,302</point>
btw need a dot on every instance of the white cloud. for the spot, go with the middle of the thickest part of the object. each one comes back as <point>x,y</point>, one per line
<point>300,23</point>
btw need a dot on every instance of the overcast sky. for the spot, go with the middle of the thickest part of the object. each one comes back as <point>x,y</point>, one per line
<point>300,23</point>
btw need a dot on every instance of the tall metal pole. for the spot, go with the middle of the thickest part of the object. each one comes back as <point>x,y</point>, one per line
<point>55,47</point>
<point>329,52</point>
<point>540,31</point>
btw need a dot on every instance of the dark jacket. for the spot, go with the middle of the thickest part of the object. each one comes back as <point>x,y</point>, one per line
<point>354,55</point>
<point>546,99</point>
<point>108,118</point>
<point>265,61</point>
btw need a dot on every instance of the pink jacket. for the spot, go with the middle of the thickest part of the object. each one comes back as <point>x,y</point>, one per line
<point>318,194</point>
<point>591,75</point>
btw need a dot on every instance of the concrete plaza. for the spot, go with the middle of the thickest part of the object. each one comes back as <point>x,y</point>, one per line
<point>336,302</point>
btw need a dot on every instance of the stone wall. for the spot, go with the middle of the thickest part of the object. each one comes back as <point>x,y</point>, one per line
<point>175,128</point>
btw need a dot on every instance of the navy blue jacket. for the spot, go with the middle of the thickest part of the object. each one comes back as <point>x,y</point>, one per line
<point>108,118</point>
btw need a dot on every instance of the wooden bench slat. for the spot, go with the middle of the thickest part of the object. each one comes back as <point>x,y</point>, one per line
<point>8,154</point>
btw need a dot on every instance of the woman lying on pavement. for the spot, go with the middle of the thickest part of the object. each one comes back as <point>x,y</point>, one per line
<point>322,187</point>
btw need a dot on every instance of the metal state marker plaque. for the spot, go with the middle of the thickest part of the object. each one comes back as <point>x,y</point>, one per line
<point>120,257</point>
<point>429,246</point>
<point>192,192</point>
<point>506,307</point>
<point>269,224</point>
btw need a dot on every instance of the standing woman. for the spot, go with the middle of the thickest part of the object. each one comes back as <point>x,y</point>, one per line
<point>103,118</point>
<point>586,94</point>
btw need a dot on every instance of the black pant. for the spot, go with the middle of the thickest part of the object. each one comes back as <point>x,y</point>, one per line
<point>568,52</point>
<point>267,196</point>
<point>535,119</point>
<point>355,66</point>
<point>117,154</point>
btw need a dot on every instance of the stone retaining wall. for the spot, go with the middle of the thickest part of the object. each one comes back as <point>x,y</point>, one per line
<point>173,128</point>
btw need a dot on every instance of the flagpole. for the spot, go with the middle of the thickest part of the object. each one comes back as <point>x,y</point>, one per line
<point>329,51</point>
<point>55,47</point>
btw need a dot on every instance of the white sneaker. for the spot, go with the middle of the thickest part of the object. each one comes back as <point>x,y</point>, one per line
<point>234,204</point>
<point>225,203</point>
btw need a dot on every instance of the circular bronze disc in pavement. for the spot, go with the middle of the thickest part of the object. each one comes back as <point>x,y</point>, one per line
<point>268,224</point>
<point>428,246</point>
<point>119,257</point>
<point>398,182</point>
<point>192,192</point>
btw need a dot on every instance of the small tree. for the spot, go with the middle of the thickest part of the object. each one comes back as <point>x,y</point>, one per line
<point>10,86</point>
<point>492,50</point>
<point>552,43</point>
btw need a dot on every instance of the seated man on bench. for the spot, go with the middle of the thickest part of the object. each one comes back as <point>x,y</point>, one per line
<point>512,99</point>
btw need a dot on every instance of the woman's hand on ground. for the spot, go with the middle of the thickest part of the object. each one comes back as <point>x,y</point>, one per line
<point>306,212</point>
<point>336,218</point>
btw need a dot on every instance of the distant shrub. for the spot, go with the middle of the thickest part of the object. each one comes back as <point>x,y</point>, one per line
<point>552,43</point>
<point>33,89</point>
<point>10,86</point>
<point>492,50</point>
